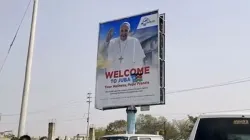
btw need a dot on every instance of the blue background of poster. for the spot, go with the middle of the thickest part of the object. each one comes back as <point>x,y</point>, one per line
<point>148,38</point>
<point>134,20</point>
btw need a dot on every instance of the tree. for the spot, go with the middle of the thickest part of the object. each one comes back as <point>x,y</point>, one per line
<point>116,127</point>
<point>99,132</point>
<point>183,128</point>
<point>171,132</point>
<point>9,135</point>
<point>147,124</point>
<point>14,138</point>
<point>192,121</point>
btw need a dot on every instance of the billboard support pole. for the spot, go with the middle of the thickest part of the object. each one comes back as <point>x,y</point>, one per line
<point>131,119</point>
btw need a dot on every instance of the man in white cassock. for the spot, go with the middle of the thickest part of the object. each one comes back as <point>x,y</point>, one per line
<point>124,52</point>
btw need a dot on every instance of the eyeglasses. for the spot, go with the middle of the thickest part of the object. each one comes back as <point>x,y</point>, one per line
<point>124,30</point>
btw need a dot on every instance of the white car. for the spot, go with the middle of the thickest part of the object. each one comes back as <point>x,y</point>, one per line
<point>132,137</point>
<point>221,127</point>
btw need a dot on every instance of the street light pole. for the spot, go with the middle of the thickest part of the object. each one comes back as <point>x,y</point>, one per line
<point>88,101</point>
<point>26,86</point>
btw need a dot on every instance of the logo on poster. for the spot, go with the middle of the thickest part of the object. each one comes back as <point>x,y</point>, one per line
<point>146,21</point>
<point>136,77</point>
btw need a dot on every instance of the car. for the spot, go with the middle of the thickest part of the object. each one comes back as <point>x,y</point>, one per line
<point>132,137</point>
<point>221,127</point>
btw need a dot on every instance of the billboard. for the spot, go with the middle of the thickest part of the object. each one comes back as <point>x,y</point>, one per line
<point>128,62</point>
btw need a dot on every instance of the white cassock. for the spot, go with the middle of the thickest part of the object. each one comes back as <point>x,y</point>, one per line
<point>125,54</point>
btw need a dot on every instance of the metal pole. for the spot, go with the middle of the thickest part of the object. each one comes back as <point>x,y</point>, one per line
<point>131,119</point>
<point>89,101</point>
<point>26,86</point>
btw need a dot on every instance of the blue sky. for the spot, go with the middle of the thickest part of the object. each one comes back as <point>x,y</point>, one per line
<point>207,43</point>
<point>114,23</point>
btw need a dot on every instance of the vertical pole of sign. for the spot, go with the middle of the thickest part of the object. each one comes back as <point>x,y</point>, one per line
<point>26,87</point>
<point>131,119</point>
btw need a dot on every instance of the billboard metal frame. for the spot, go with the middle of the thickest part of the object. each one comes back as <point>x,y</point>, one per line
<point>157,10</point>
<point>161,57</point>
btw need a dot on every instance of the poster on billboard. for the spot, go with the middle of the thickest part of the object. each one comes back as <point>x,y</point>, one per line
<point>128,64</point>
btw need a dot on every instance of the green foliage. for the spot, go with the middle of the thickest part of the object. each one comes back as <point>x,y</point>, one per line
<point>14,138</point>
<point>99,132</point>
<point>148,124</point>
<point>182,127</point>
<point>10,136</point>
<point>116,127</point>
<point>192,119</point>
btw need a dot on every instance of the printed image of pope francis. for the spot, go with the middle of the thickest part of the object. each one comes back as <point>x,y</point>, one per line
<point>123,52</point>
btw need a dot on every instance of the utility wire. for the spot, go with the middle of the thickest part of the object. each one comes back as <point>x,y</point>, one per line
<point>66,120</point>
<point>81,118</point>
<point>192,113</point>
<point>218,111</point>
<point>211,86</point>
<point>172,92</point>
<point>14,38</point>
<point>43,110</point>
<point>232,110</point>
